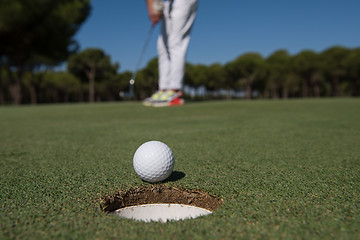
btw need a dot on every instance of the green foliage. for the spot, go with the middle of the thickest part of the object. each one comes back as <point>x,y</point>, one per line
<point>244,71</point>
<point>196,75</point>
<point>352,61</point>
<point>308,68</point>
<point>108,89</point>
<point>333,72</point>
<point>333,66</point>
<point>37,33</point>
<point>61,80</point>
<point>92,65</point>
<point>40,28</point>
<point>60,86</point>
<point>216,77</point>
<point>278,69</point>
<point>92,60</point>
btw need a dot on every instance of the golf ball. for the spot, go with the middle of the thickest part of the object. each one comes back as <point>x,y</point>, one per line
<point>153,161</point>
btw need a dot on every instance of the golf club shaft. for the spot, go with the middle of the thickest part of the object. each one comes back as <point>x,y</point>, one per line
<point>143,52</point>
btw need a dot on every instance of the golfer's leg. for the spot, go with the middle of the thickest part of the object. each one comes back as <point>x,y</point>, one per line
<point>163,52</point>
<point>182,18</point>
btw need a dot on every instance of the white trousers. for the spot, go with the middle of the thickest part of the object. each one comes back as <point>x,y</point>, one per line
<point>172,44</point>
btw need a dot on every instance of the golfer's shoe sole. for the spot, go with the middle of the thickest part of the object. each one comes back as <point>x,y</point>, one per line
<point>147,103</point>
<point>174,102</point>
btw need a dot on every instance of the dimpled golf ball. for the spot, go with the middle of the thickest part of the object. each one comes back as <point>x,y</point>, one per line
<point>153,161</point>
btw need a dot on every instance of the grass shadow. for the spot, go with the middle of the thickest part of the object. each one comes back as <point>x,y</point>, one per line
<point>175,175</point>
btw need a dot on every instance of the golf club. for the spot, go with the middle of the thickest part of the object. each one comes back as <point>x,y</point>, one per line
<point>133,77</point>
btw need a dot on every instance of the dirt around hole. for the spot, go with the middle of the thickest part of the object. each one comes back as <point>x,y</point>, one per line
<point>159,194</point>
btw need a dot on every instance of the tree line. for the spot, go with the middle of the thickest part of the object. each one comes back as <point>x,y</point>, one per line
<point>37,35</point>
<point>34,36</point>
<point>91,76</point>
<point>333,72</point>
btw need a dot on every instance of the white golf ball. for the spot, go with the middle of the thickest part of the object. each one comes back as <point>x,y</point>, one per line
<point>153,161</point>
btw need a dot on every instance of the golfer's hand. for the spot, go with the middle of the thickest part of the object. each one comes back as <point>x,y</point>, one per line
<point>155,18</point>
<point>155,11</point>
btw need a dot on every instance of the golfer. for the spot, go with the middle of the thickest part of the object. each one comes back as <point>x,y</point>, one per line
<point>178,18</point>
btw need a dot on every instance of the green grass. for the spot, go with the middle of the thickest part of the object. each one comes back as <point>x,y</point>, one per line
<point>285,169</point>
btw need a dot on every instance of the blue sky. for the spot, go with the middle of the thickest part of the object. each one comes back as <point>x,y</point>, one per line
<point>225,29</point>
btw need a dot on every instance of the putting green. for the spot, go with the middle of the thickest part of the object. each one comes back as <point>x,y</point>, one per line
<point>284,169</point>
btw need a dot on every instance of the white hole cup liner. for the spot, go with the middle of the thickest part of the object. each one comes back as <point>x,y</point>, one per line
<point>161,212</point>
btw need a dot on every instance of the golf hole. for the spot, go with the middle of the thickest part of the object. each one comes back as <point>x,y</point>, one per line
<point>160,203</point>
